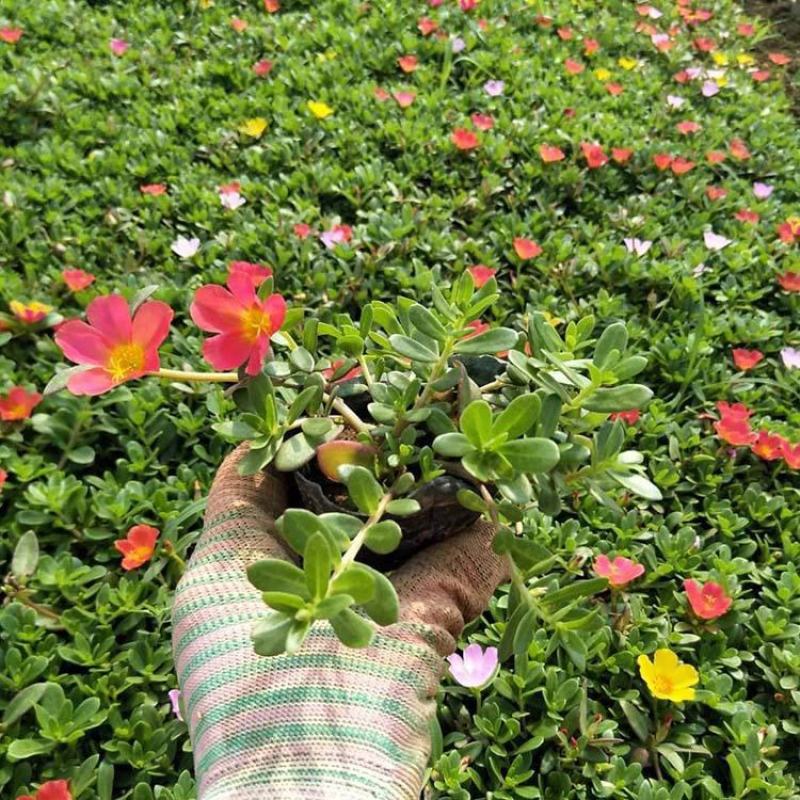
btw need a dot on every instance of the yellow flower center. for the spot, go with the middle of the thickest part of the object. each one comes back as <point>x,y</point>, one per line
<point>662,685</point>
<point>125,360</point>
<point>255,323</point>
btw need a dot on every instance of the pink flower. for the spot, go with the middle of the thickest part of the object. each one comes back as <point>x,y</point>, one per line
<point>464,139</point>
<point>115,346</point>
<point>790,357</point>
<point>175,699</point>
<point>708,601</point>
<point>481,274</point>
<point>118,46</point>
<point>257,273</point>
<point>301,230</point>
<point>153,188</point>
<point>476,668</point>
<point>338,234</point>
<point>242,321</point>
<point>483,122</point>
<point>18,404</point>
<point>262,68</point>
<point>404,99</point>
<point>10,35</point>
<point>620,572</point>
<point>746,359</point>
<point>494,88</point>
<point>526,248</point>
<point>714,241</point>
<point>710,88</point>
<point>762,190</point>
<point>77,279</point>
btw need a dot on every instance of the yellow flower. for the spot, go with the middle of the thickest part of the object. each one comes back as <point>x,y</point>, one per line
<point>204,4</point>
<point>602,74</point>
<point>720,58</point>
<point>745,59</point>
<point>722,81</point>
<point>627,63</point>
<point>253,127</point>
<point>551,319</point>
<point>318,109</point>
<point>667,677</point>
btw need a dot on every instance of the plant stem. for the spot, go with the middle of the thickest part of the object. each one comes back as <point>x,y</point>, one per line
<point>348,415</point>
<point>358,539</point>
<point>197,377</point>
<point>21,597</point>
<point>365,370</point>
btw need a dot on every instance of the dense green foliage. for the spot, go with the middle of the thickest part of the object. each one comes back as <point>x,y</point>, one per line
<point>82,129</point>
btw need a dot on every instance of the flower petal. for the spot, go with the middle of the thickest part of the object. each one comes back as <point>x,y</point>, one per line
<point>665,660</point>
<point>275,306</point>
<point>111,316</point>
<point>151,324</point>
<point>91,382</point>
<point>215,309</point>
<point>82,343</point>
<point>226,351</point>
<point>685,675</point>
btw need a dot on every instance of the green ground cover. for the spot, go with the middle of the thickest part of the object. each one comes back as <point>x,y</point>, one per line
<point>83,128</point>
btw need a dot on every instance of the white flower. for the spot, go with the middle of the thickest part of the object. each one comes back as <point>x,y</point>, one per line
<point>185,248</point>
<point>714,241</point>
<point>637,246</point>
<point>232,200</point>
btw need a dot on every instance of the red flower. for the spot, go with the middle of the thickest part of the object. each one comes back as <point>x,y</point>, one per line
<point>116,346</point>
<point>550,153</point>
<point>615,88</point>
<point>619,572</point>
<point>704,44</point>
<point>52,790</point>
<point>662,161</point>
<point>239,25</point>
<point>594,155</point>
<point>380,94</point>
<point>272,6</point>
<point>18,404</point>
<point>745,215</point>
<point>257,273</point>
<point>789,231</point>
<point>630,417</point>
<point>526,248</point>
<point>77,279</point>
<point>791,454</point>
<point>427,26</point>
<point>708,601</point>
<point>408,63</point>
<point>138,547</point>
<point>734,411</point>
<point>746,359</point>
<point>153,188</point>
<point>761,75</point>
<point>682,76</point>
<point>681,165</point>
<point>734,425</point>
<point>263,68</point>
<point>10,35</point>
<point>781,59</point>
<point>687,126</point>
<point>590,46</point>
<point>565,34</point>
<point>715,193</point>
<point>301,230</point>
<point>745,29</point>
<point>330,371</point>
<point>738,149</point>
<point>573,67</point>
<point>790,281</point>
<point>715,156</point>
<point>242,321</point>
<point>478,327</point>
<point>3,478</point>
<point>483,122</point>
<point>464,139</point>
<point>481,274</point>
<point>768,446</point>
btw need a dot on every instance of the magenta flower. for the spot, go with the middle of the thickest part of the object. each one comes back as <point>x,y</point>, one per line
<point>619,572</point>
<point>174,699</point>
<point>476,667</point>
<point>118,46</point>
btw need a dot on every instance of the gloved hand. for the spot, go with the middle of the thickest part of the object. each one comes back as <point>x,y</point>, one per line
<point>328,723</point>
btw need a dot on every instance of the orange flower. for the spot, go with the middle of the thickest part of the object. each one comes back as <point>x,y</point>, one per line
<point>680,165</point>
<point>18,404</point>
<point>427,26</point>
<point>715,193</point>
<point>791,454</point>
<point>573,67</point>
<point>29,313</point>
<point>154,189</point>
<point>687,126</point>
<point>272,6</point>
<point>715,156</point>
<point>781,59</point>
<point>746,215</point>
<point>746,359</point>
<point>138,546</point>
<point>768,446</point>
<point>630,417</point>
<point>738,149</point>
<point>708,601</point>
<point>51,790</point>
<point>239,25</point>
<point>77,279</point>
<point>789,231</point>
<point>590,46</point>
<point>662,161</point>
<point>594,155</point>
<point>10,35</point>
<point>408,63</point>
<point>550,153</point>
<point>464,139</point>
<point>526,248</point>
<point>615,88</point>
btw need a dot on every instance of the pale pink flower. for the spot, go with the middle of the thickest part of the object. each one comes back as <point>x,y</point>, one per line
<point>715,241</point>
<point>790,357</point>
<point>637,246</point>
<point>185,248</point>
<point>476,667</point>
<point>762,190</point>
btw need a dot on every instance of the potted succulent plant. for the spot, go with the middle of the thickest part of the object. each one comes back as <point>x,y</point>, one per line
<point>406,425</point>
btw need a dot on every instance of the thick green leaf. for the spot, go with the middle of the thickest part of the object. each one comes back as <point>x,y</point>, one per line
<point>620,398</point>
<point>364,490</point>
<point>23,749</point>
<point>638,721</point>
<point>412,349</point>
<point>26,555</point>
<point>331,606</point>
<point>403,507</point>
<point>275,575</point>
<point>298,631</point>
<point>283,601</point>
<point>614,337</point>
<point>638,484</point>
<point>426,323</point>
<point>476,422</point>
<point>384,607</point>
<point>452,445</point>
<point>357,581</point>
<point>352,630</point>
<point>270,633</point>
<point>574,591</point>
<point>531,456</point>
<point>492,341</point>
<point>518,417</point>
<point>294,453</point>
<point>22,701</point>
<point>383,537</point>
<point>317,565</point>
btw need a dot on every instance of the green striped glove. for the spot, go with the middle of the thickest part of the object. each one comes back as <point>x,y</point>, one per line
<point>329,722</point>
